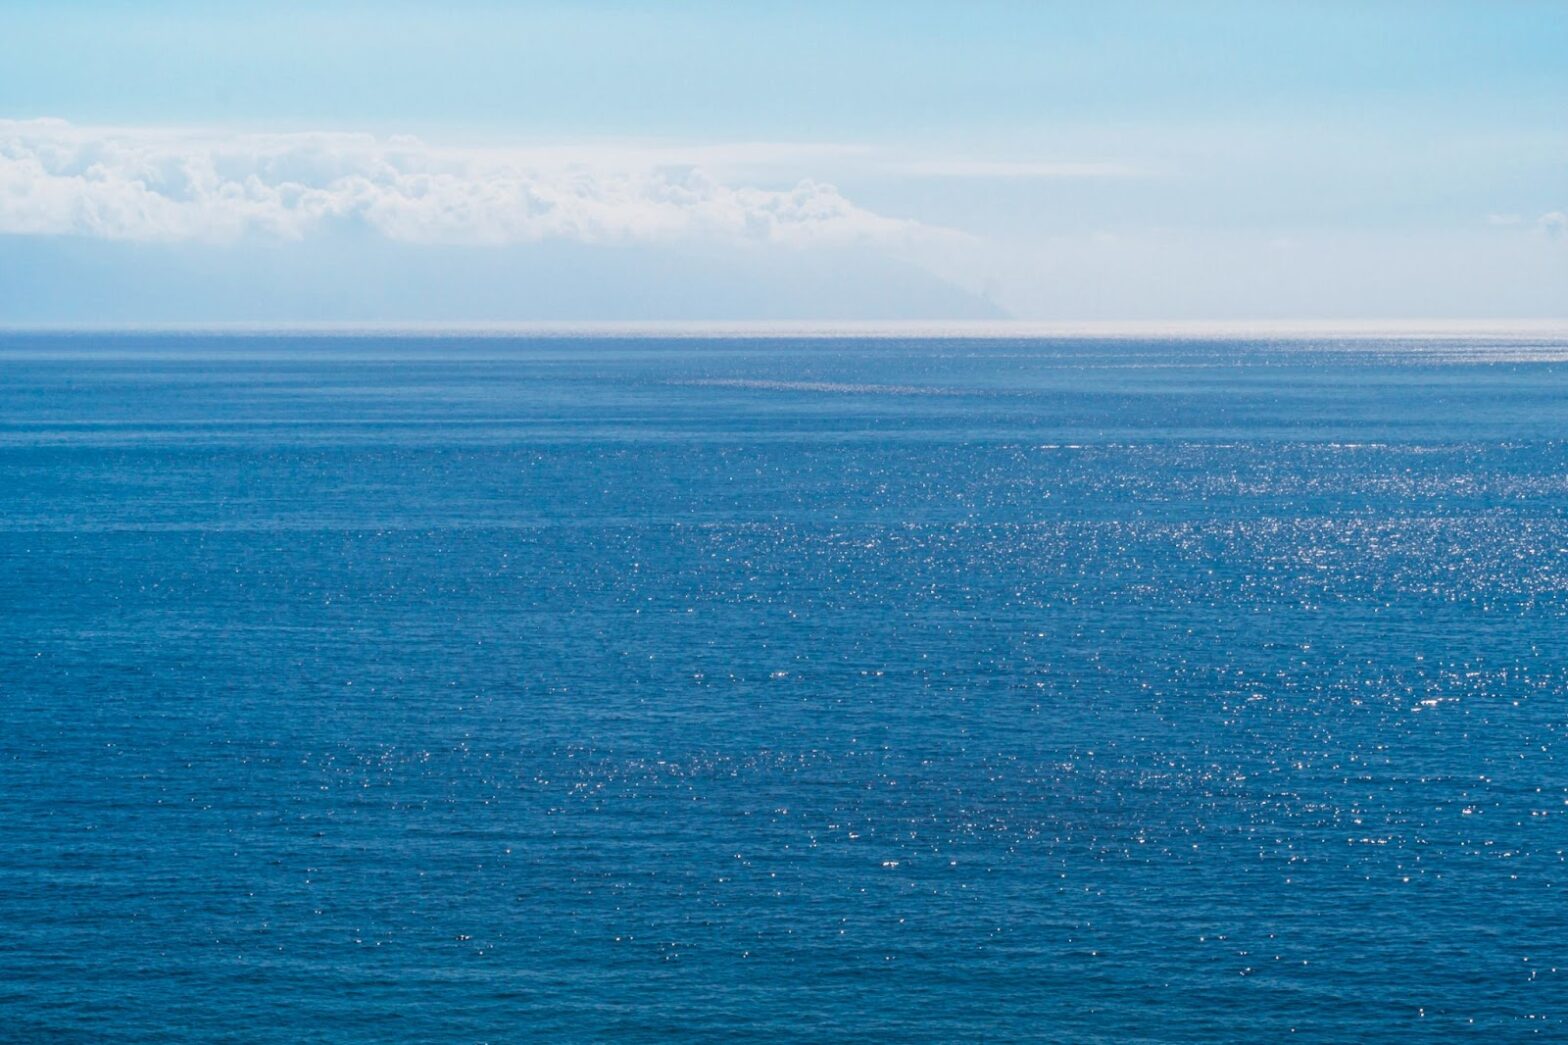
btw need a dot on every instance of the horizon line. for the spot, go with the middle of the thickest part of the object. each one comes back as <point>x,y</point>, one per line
<point>1542,328</point>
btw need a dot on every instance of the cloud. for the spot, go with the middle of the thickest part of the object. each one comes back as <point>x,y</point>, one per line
<point>962,168</point>
<point>57,178</point>
<point>1553,223</point>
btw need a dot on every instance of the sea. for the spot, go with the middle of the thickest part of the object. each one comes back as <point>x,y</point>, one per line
<point>453,687</point>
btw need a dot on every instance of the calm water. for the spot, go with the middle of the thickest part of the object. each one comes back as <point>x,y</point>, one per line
<point>483,689</point>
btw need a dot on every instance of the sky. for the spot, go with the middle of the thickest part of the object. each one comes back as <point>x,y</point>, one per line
<point>463,162</point>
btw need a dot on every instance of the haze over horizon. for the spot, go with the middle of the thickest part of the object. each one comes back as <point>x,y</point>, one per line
<point>359,163</point>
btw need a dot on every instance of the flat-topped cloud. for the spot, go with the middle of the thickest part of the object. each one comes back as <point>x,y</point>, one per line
<point>57,178</point>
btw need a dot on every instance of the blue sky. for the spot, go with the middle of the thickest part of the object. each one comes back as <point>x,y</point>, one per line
<point>392,162</point>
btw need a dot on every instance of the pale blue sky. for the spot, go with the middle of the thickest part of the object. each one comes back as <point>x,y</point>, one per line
<point>619,161</point>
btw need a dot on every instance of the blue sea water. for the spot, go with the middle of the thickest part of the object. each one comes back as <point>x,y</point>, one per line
<point>487,689</point>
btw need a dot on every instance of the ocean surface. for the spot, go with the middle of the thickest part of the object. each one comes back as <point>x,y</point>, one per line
<point>461,689</point>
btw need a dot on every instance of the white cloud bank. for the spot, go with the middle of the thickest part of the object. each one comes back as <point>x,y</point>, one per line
<point>1554,222</point>
<point>57,178</point>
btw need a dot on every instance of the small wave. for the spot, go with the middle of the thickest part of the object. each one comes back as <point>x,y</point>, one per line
<point>836,387</point>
